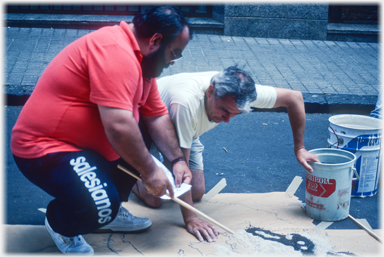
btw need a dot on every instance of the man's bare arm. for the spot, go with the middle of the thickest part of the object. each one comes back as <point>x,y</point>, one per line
<point>124,136</point>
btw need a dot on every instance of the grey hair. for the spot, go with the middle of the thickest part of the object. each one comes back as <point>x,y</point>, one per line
<point>237,83</point>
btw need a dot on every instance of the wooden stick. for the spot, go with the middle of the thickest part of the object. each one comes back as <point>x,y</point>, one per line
<point>193,209</point>
<point>365,228</point>
<point>182,203</point>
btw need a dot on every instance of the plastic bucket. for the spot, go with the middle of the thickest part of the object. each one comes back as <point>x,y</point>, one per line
<point>361,135</point>
<point>328,188</point>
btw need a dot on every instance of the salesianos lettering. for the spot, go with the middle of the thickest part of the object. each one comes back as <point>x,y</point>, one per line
<point>87,175</point>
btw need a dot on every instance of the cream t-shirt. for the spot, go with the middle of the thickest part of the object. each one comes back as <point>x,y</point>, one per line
<point>183,94</point>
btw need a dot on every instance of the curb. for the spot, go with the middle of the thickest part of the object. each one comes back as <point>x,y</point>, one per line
<point>314,103</point>
<point>324,103</point>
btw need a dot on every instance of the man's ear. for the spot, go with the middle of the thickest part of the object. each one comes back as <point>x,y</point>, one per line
<point>211,91</point>
<point>155,41</point>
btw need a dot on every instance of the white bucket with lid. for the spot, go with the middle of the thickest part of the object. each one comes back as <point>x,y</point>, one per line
<point>328,187</point>
<point>361,135</point>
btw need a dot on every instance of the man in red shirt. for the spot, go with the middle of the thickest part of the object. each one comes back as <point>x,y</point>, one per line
<point>81,121</point>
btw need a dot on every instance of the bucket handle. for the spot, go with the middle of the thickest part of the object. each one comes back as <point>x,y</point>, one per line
<point>357,175</point>
<point>337,138</point>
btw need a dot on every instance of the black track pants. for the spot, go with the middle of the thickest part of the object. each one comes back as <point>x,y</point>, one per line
<point>87,189</point>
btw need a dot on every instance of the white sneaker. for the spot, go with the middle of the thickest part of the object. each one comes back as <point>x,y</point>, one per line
<point>69,245</point>
<point>126,222</point>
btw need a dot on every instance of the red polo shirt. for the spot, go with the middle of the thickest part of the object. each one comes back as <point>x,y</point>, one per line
<point>101,68</point>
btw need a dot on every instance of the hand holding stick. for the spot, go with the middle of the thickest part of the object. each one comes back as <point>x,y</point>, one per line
<point>182,203</point>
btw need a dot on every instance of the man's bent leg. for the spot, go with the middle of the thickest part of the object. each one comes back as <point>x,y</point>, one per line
<point>85,195</point>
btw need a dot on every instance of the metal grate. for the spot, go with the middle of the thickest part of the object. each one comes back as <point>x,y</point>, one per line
<point>187,10</point>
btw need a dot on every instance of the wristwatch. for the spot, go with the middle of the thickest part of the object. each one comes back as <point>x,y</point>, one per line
<point>178,159</point>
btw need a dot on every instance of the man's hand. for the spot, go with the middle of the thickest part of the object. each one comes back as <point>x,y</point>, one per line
<point>157,182</point>
<point>202,230</point>
<point>303,157</point>
<point>182,173</point>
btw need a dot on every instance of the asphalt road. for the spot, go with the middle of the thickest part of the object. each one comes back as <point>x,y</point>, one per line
<point>258,158</point>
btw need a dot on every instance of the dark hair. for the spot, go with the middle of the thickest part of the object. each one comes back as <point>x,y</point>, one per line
<point>237,83</point>
<point>165,20</point>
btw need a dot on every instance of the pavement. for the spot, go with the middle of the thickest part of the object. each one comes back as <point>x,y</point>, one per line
<point>334,77</point>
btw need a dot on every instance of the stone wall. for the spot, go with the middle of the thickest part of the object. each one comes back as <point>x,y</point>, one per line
<point>276,20</point>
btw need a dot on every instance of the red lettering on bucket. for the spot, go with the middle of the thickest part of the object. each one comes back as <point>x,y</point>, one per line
<point>345,191</point>
<point>320,187</point>
<point>315,205</point>
<point>343,205</point>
